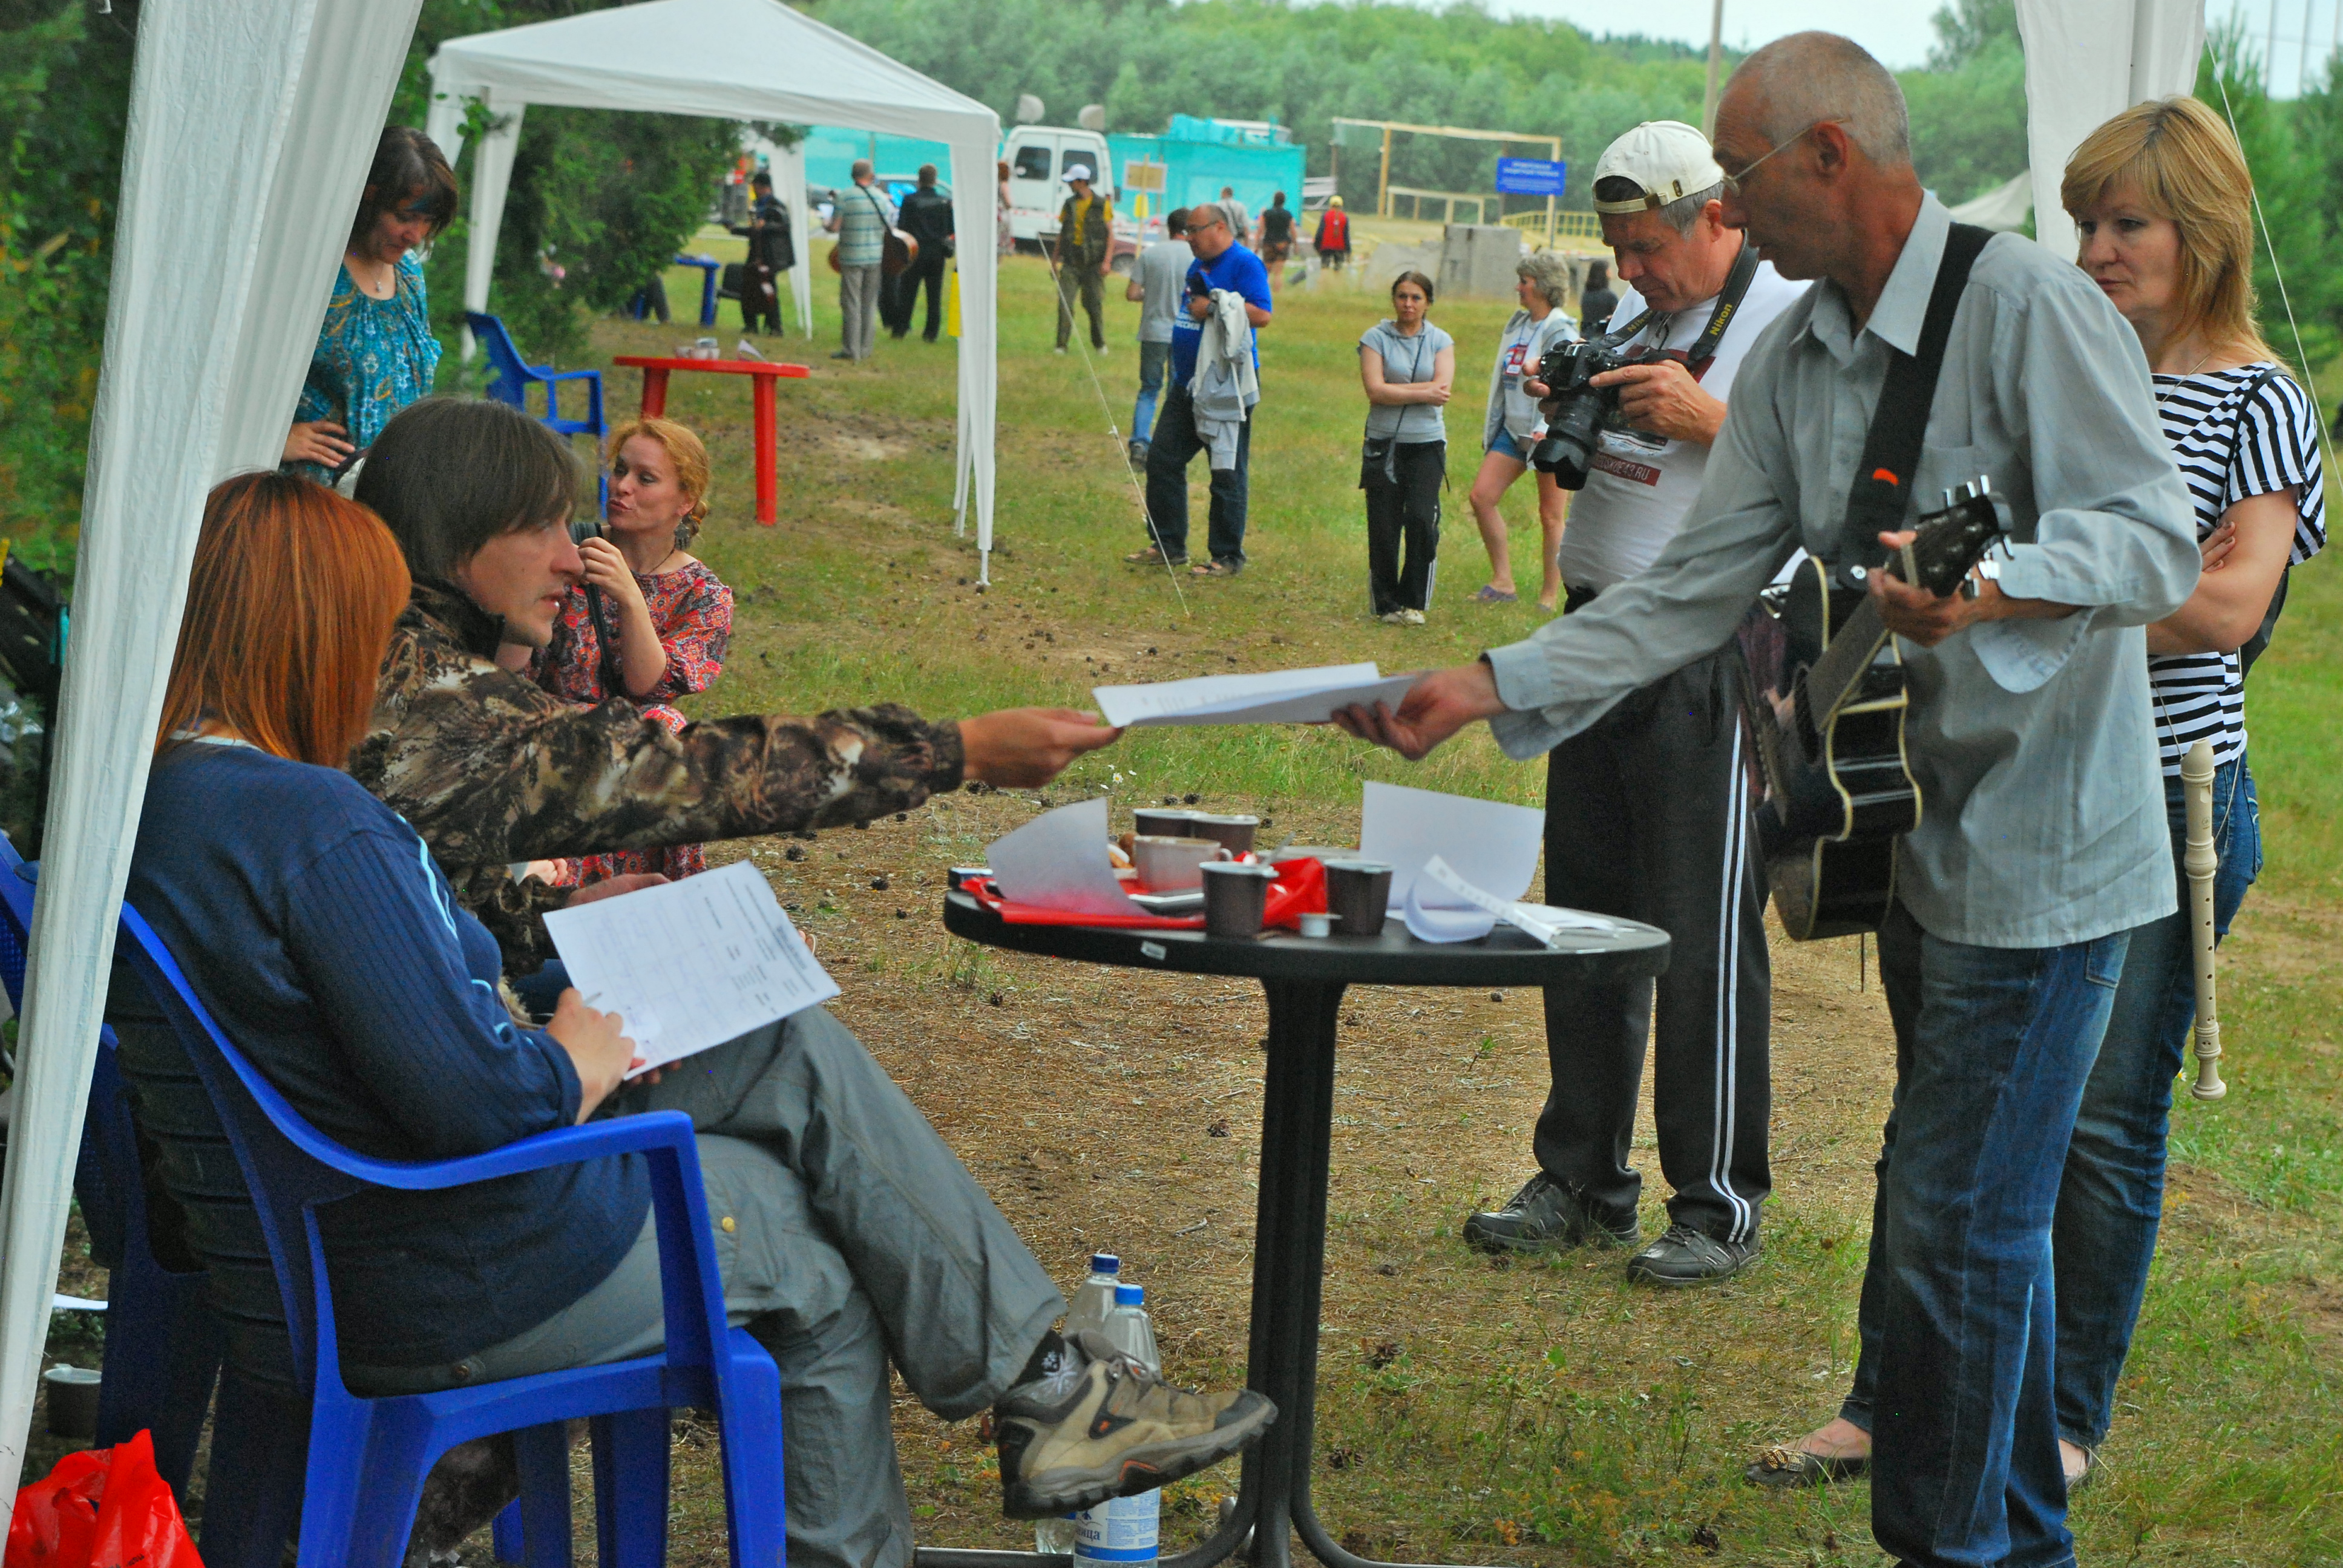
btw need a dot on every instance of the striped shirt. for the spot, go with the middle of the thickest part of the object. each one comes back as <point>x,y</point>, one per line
<point>2234,433</point>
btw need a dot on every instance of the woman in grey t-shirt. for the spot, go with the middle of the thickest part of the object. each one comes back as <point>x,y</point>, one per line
<point>1407,365</point>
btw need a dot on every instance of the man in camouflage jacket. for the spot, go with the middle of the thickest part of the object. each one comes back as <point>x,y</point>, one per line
<point>493,770</point>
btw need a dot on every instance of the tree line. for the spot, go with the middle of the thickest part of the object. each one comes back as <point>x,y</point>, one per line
<point>599,200</point>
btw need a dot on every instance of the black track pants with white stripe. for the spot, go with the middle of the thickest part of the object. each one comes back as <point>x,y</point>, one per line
<point>1648,815</point>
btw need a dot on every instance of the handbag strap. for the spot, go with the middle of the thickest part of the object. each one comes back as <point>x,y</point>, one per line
<point>1876,502</point>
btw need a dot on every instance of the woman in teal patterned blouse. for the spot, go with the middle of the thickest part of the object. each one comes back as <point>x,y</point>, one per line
<point>376,352</point>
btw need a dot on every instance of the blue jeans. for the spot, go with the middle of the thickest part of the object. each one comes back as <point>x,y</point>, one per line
<point>2111,1193</point>
<point>1153,359</point>
<point>1170,448</point>
<point>1993,1046</point>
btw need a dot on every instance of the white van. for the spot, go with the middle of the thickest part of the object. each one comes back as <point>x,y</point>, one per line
<point>1038,157</point>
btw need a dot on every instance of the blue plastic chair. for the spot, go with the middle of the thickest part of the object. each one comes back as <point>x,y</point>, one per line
<point>354,1473</point>
<point>162,1346</point>
<point>514,377</point>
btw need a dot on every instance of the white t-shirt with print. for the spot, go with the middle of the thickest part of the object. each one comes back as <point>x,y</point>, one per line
<point>1639,487</point>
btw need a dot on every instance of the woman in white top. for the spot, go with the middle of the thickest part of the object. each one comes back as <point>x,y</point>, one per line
<point>1407,365</point>
<point>1510,426</point>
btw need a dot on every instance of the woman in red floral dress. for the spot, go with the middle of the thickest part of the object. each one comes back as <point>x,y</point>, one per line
<point>651,622</point>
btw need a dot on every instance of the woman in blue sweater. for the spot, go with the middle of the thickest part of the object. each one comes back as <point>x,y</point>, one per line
<point>317,928</point>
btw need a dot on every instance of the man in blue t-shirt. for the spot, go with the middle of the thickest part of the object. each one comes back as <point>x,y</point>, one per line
<point>1221,263</point>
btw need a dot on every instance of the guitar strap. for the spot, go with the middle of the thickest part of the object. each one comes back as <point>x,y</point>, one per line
<point>1882,492</point>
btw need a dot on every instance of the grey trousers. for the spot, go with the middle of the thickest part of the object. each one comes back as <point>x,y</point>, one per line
<point>857,305</point>
<point>856,1238</point>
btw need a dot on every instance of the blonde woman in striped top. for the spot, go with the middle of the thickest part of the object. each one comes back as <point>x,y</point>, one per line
<point>2162,200</point>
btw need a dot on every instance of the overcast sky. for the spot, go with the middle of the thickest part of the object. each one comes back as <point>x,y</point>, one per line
<point>1898,31</point>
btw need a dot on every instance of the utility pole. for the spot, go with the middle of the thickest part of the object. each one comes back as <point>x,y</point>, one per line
<point>1716,59</point>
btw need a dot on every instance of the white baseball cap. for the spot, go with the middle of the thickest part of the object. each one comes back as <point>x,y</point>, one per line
<point>1082,172</point>
<point>1666,159</point>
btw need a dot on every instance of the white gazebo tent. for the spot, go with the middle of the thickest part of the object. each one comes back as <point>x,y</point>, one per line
<point>740,60</point>
<point>250,126</point>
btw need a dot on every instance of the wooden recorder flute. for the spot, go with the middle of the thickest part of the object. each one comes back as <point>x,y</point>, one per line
<point>2200,861</point>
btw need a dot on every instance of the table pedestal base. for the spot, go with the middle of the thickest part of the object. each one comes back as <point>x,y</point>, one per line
<point>1289,1255</point>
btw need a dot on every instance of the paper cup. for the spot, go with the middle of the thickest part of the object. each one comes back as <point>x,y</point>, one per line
<point>1357,893</point>
<point>1234,897</point>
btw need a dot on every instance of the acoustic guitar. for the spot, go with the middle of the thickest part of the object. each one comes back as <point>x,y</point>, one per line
<point>1827,696</point>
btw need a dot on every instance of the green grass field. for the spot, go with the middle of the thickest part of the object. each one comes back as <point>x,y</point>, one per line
<point>1534,1436</point>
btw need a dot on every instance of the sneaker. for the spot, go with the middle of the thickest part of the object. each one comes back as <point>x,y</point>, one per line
<point>1061,349</point>
<point>1151,557</point>
<point>1546,1216</point>
<point>1137,453</point>
<point>842,354</point>
<point>1683,1256</point>
<point>1411,618</point>
<point>1393,618</point>
<point>1104,1426</point>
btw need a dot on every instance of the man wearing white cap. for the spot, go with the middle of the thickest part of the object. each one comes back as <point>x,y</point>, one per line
<point>1085,252</point>
<point>1649,809</point>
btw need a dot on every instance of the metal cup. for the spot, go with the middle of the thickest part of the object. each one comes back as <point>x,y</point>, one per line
<point>1162,821</point>
<point>1235,832</point>
<point>73,1401</point>
<point>1172,865</point>
<point>1234,897</point>
<point>1357,893</point>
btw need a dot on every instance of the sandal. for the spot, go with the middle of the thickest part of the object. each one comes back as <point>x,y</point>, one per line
<point>1493,594</point>
<point>1782,1466</point>
<point>1151,557</point>
<point>1216,569</point>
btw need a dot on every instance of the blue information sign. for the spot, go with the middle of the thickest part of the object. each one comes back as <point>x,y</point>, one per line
<point>1531,176</point>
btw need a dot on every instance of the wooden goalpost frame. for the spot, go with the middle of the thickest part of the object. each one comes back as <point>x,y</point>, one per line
<point>1383,175</point>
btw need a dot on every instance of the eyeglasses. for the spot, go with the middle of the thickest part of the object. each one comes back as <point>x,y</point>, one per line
<point>1733,183</point>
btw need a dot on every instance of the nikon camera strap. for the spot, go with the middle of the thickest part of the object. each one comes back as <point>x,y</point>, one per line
<point>1891,451</point>
<point>1728,305</point>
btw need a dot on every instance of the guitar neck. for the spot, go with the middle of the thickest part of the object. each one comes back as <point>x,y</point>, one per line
<point>1835,674</point>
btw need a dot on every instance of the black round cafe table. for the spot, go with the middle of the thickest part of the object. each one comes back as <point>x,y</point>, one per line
<point>1304,978</point>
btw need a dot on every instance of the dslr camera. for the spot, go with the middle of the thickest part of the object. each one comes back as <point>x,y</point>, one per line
<point>1586,411</point>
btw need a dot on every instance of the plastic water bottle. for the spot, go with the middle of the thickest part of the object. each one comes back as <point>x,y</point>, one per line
<point>1095,1299</point>
<point>1124,1532</point>
<point>1091,1304</point>
<point>1129,1330</point>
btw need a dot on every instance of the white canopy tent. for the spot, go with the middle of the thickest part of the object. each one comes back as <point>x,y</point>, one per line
<point>250,126</point>
<point>743,60</point>
<point>2088,61</point>
<point>2001,210</point>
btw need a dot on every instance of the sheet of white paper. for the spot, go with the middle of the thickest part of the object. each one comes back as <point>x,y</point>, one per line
<point>1445,889</point>
<point>1276,696</point>
<point>690,964</point>
<point>1490,845</point>
<point>1058,861</point>
<point>1442,925</point>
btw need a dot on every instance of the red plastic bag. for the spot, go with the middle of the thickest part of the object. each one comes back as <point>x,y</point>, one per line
<point>102,1508</point>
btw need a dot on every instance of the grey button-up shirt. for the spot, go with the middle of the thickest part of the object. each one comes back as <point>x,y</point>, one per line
<point>2043,817</point>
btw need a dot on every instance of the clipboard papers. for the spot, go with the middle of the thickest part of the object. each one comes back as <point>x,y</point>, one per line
<point>690,964</point>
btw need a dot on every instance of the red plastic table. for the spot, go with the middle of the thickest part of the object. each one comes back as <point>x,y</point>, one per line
<point>656,371</point>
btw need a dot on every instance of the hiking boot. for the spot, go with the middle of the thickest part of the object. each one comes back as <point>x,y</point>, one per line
<point>1104,1426</point>
<point>1683,1256</point>
<point>1546,1216</point>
